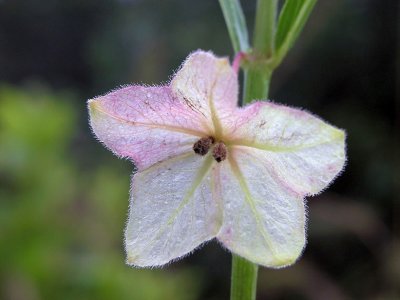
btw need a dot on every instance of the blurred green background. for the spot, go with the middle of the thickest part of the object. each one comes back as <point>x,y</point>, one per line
<point>64,198</point>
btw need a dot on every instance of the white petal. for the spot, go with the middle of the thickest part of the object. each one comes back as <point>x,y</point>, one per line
<point>145,124</point>
<point>173,210</point>
<point>305,151</point>
<point>209,84</point>
<point>264,221</point>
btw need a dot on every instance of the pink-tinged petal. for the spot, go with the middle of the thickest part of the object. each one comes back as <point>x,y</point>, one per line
<point>302,149</point>
<point>263,219</point>
<point>209,84</point>
<point>146,124</point>
<point>173,210</point>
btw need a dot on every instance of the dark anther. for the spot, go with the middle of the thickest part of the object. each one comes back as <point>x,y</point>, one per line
<point>203,145</point>
<point>220,152</point>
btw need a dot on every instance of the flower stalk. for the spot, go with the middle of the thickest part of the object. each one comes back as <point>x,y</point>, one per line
<point>271,42</point>
<point>243,279</point>
<point>257,79</point>
<point>256,86</point>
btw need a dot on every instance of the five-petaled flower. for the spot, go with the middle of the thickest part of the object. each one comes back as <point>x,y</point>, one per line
<point>209,169</point>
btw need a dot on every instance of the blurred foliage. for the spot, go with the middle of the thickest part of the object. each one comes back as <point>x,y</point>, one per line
<point>64,198</point>
<point>61,228</point>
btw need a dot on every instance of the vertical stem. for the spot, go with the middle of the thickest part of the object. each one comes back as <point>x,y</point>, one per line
<point>256,84</point>
<point>256,87</point>
<point>243,279</point>
<point>256,79</point>
<point>264,31</point>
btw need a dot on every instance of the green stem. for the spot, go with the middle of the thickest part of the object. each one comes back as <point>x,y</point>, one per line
<point>265,56</point>
<point>244,279</point>
<point>264,31</point>
<point>256,87</point>
<point>257,79</point>
<point>256,84</point>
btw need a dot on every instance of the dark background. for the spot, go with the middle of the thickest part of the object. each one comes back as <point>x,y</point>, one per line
<point>64,198</point>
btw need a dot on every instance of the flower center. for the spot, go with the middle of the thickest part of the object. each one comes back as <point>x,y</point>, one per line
<point>203,145</point>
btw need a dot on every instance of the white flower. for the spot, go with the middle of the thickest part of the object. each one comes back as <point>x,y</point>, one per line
<point>209,169</point>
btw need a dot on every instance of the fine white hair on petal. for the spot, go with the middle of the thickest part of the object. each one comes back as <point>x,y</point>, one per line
<point>209,83</point>
<point>145,124</point>
<point>172,210</point>
<point>304,150</point>
<point>253,201</point>
<point>209,52</point>
<point>264,220</point>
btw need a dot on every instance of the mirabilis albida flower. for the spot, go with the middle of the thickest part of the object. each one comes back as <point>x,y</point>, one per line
<point>209,169</point>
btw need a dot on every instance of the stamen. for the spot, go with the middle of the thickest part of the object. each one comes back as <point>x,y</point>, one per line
<point>219,152</point>
<point>202,146</point>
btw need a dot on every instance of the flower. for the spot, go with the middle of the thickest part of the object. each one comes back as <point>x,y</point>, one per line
<point>209,169</point>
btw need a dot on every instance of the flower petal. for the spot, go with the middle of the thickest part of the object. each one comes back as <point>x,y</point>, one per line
<point>172,210</point>
<point>209,84</point>
<point>264,221</point>
<point>302,149</point>
<point>146,124</point>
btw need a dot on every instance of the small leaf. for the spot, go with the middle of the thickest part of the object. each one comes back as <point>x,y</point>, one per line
<point>287,17</point>
<point>292,18</point>
<point>236,24</point>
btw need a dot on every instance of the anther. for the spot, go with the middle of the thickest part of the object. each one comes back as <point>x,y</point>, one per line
<point>219,152</point>
<point>202,146</point>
